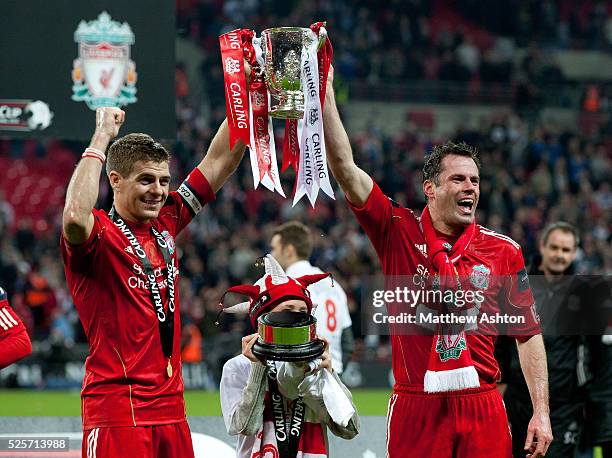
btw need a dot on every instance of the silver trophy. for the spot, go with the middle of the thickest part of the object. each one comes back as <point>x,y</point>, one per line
<point>282,55</point>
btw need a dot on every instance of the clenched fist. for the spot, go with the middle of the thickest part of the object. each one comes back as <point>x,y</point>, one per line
<point>109,121</point>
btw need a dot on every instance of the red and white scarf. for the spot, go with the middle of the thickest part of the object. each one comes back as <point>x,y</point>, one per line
<point>450,364</point>
<point>313,443</point>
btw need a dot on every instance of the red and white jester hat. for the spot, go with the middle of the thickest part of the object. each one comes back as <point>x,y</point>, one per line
<point>271,289</point>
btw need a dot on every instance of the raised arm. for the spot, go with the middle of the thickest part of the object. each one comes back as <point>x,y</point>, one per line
<point>220,162</point>
<point>533,362</point>
<point>355,183</point>
<point>83,189</point>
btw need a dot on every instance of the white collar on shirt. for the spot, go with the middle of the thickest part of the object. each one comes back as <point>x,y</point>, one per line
<point>297,269</point>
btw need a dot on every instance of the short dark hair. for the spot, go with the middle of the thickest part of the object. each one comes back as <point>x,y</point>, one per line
<point>561,226</point>
<point>297,234</point>
<point>433,163</point>
<point>131,148</point>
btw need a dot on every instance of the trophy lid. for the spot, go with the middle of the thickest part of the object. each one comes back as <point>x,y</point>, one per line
<point>272,30</point>
<point>287,336</point>
<point>286,319</point>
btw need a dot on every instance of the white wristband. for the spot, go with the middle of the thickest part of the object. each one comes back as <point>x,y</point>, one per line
<point>95,153</point>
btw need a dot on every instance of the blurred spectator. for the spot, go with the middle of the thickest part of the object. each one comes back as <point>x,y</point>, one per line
<point>41,300</point>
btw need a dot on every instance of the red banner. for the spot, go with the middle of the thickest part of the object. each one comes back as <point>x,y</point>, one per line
<point>259,105</point>
<point>324,57</point>
<point>236,95</point>
<point>291,146</point>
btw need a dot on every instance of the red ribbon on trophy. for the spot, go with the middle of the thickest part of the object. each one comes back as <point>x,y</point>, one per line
<point>291,145</point>
<point>261,146</point>
<point>236,96</point>
<point>325,55</point>
<point>248,108</point>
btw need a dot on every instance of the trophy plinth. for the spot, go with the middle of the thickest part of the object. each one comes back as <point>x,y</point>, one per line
<point>287,336</point>
<point>290,105</point>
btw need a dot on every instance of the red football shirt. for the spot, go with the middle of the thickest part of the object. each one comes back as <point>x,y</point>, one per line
<point>401,248</point>
<point>125,381</point>
<point>14,340</point>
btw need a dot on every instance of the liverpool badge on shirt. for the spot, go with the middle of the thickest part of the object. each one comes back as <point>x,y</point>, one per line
<point>480,276</point>
<point>169,241</point>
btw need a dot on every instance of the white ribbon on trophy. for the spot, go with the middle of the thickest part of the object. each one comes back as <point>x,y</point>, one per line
<point>312,174</point>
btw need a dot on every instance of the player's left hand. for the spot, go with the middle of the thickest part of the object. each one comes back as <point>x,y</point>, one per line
<point>539,435</point>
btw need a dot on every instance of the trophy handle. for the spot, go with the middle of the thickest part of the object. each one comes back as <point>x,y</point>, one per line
<point>257,65</point>
<point>322,37</point>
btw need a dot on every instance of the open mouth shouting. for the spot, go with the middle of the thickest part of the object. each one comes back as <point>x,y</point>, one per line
<point>466,205</point>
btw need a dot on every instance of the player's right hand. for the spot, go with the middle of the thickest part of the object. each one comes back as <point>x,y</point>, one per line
<point>247,345</point>
<point>247,71</point>
<point>109,121</point>
<point>539,435</point>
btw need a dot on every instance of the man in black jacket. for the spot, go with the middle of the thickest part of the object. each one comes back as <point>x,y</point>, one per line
<point>554,291</point>
<point>598,425</point>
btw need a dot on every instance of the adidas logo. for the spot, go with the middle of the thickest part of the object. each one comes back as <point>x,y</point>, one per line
<point>422,248</point>
<point>129,249</point>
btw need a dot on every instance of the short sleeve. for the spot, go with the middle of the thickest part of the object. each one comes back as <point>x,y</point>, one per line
<point>374,216</point>
<point>187,201</point>
<point>518,298</point>
<point>10,323</point>
<point>79,257</point>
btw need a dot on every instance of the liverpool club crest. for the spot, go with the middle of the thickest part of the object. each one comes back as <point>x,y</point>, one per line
<point>450,346</point>
<point>169,241</point>
<point>104,74</point>
<point>480,276</point>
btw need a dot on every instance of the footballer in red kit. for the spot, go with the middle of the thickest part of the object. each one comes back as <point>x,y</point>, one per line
<point>122,271</point>
<point>396,236</point>
<point>445,401</point>
<point>125,373</point>
<point>14,340</point>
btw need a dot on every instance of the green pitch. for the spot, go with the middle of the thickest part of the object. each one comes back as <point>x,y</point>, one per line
<point>31,403</point>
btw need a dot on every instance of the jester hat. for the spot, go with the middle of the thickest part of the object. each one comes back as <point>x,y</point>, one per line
<point>270,290</point>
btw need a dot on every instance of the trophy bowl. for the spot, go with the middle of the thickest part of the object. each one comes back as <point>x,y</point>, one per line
<point>282,54</point>
<point>287,336</point>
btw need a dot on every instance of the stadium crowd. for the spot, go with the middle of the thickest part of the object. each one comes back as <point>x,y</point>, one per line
<point>534,172</point>
<point>417,38</point>
<point>532,175</point>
